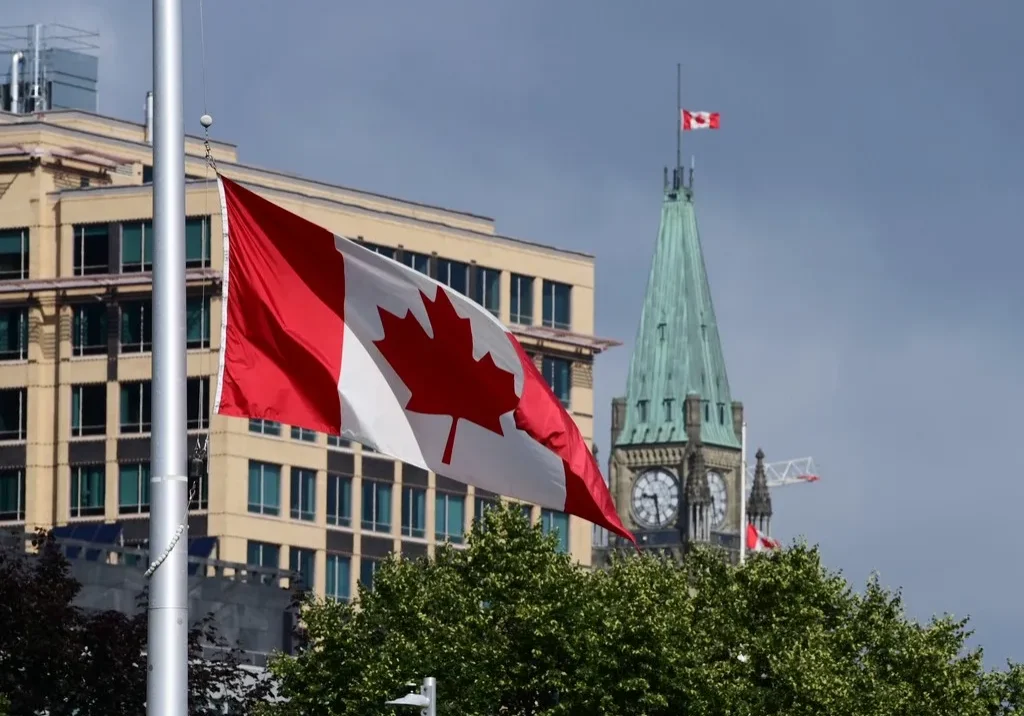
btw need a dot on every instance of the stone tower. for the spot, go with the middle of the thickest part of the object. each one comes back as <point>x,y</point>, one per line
<point>759,507</point>
<point>674,467</point>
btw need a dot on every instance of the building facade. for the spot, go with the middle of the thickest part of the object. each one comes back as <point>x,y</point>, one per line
<point>675,465</point>
<point>76,244</point>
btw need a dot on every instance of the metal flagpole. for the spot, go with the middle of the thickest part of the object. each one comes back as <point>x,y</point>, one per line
<point>167,687</point>
<point>679,119</point>
<point>743,492</point>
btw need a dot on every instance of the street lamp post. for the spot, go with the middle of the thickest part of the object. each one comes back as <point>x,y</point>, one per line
<point>426,699</point>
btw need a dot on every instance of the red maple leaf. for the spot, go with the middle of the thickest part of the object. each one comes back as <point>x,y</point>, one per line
<point>440,371</point>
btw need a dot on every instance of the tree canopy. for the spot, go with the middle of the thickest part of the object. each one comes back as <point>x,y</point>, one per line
<point>58,659</point>
<point>509,625</point>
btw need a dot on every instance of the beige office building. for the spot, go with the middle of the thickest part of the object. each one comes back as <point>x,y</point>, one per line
<point>76,247</point>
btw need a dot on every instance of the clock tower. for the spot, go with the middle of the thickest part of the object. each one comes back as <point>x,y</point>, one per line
<point>674,467</point>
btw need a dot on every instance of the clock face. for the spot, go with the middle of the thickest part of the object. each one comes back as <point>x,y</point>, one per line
<point>718,498</point>
<point>656,498</point>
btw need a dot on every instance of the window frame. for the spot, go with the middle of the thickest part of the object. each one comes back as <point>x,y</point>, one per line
<point>18,315</point>
<point>302,485</point>
<point>263,508</point>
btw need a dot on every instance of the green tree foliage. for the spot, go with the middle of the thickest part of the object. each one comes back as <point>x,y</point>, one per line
<point>58,659</point>
<point>510,626</point>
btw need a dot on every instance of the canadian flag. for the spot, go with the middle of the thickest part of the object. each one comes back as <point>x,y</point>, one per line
<point>757,541</point>
<point>699,120</point>
<point>322,333</point>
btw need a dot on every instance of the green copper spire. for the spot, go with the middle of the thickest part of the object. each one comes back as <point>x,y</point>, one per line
<point>677,350</point>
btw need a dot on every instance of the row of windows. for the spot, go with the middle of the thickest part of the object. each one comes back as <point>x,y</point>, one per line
<point>88,491</point>
<point>89,408</point>
<point>89,327</point>
<point>92,248</point>
<point>483,285</point>
<point>303,561</point>
<point>375,507</point>
<point>668,411</point>
<point>134,243</point>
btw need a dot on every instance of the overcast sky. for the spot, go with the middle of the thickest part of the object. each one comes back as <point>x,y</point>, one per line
<point>855,211</point>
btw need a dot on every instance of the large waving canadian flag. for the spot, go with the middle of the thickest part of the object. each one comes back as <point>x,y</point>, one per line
<point>322,333</point>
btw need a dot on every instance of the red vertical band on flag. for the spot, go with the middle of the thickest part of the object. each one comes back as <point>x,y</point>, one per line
<point>284,289</point>
<point>541,416</point>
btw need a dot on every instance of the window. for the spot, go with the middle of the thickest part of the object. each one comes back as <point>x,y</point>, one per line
<point>641,411</point>
<point>376,506</point>
<point>557,305</point>
<point>147,173</point>
<point>302,561</point>
<point>137,326</point>
<point>707,411</point>
<point>454,274</point>
<point>668,403</point>
<point>92,252</point>
<point>197,322</point>
<point>557,372</point>
<point>367,569</point>
<point>88,410</point>
<point>88,490</point>
<point>136,404</point>
<point>417,262</point>
<point>303,434</point>
<point>12,495</point>
<point>263,554</point>
<point>449,513</point>
<point>264,488</point>
<point>521,300</point>
<point>661,332</point>
<point>339,500</point>
<point>133,488</point>
<point>481,505</point>
<point>378,249</point>
<point>339,576</point>
<point>557,522</point>
<point>89,329</point>
<point>199,488</point>
<point>527,512</point>
<point>197,242</point>
<point>14,333</point>
<point>264,427</point>
<point>487,291</point>
<point>136,247</point>
<point>336,441</point>
<point>197,403</point>
<point>721,413</point>
<point>414,511</point>
<point>13,413</point>
<point>303,504</point>
<point>13,253</point>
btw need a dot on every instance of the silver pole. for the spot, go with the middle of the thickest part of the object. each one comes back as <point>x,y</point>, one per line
<point>430,691</point>
<point>167,688</point>
<point>743,492</point>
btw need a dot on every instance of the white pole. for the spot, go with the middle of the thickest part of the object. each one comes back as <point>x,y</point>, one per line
<point>743,492</point>
<point>167,686</point>
<point>430,691</point>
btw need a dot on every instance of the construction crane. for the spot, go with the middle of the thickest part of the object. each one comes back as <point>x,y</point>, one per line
<point>789,472</point>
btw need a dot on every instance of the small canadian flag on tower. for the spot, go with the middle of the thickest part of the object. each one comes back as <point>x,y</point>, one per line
<point>757,541</point>
<point>699,120</point>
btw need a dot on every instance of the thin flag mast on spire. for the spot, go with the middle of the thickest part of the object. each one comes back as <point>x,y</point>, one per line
<point>679,110</point>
